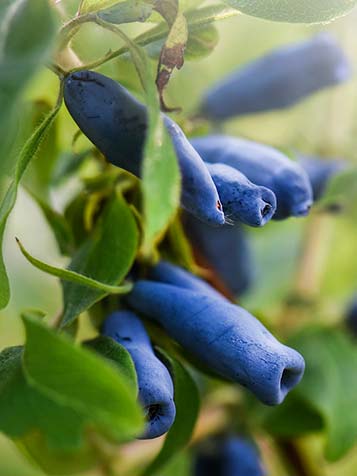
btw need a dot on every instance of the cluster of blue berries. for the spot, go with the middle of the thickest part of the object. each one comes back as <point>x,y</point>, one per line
<point>226,182</point>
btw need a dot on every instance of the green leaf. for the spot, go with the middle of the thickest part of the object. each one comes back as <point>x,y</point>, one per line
<point>303,11</point>
<point>77,378</point>
<point>33,313</point>
<point>187,408</point>
<point>27,29</point>
<point>327,394</point>
<point>74,214</point>
<point>54,460</point>
<point>161,175</point>
<point>341,190</point>
<point>201,43</point>
<point>117,354</point>
<point>51,434</point>
<point>73,277</point>
<point>58,225</point>
<point>190,4</point>
<point>179,248</point>
<point>201,17</point>
<point>25,409</point>
<point>39,173</point>
<point>67,165</point>
<point>294,418</point>
<point>29,150</point>
<point>106,256</point>
<point>127,12</point>
<point>87,6</point>
<point>53,431</point>
<point>47,430</point>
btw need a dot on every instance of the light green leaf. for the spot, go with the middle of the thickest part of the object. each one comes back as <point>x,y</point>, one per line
<point>201,17</point>
<point>38,175</point>
<point>328,392</point>
<point>67,165</point>
<point>54,460</point>
<point>341,190</point>
<point>73,277</point>
<point>87,6</point>
<point>33,313</point>
<point>127,12</point>
<point>77,378</point>
<point>27,29</point>
<point>161,175</point>
<point>118,355</point>
<point>25,409</point>
<point>187,408</point>
<point>294,418</point>
<point>106,256</point>
<point>292,11</point>
<point>201,43</point>
<point>58,224</point>
<point>29,150</point>
<point>190,4</point>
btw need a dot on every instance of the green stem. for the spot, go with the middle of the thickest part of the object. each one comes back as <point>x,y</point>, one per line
<point>56,68</point>
<point>69,29</point>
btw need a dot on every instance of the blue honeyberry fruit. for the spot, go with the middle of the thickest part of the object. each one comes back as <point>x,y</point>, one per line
<point>223,337</point>
<point>320,172</point>
<point>156,390</point>
<point>228,455</point>
<point>116,123</point>
<point>168,273</point>
<point>279,79</point>
<point>262,165</point>
<point>351,317</point>
<point>242,200</point>
<point>226,251</point>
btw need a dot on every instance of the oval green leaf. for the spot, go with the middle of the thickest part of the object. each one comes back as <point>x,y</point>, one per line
<point>292,11</point>
<point>77,378</point>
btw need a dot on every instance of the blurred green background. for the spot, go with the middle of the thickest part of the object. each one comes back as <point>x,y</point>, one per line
<point>324,124</point>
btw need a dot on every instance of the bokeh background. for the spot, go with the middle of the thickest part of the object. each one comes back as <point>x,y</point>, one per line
<point>325,124</point>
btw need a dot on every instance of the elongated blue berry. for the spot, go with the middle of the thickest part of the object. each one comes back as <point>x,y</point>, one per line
<point>224,337</point>
<point>320,172</point>
<point>262,165</point>
<point>226,252</point>
<point>156,389</point>
<point>228,455</point>
<point>242,200</point>
<point>117,123</point>
<point>278,80</point>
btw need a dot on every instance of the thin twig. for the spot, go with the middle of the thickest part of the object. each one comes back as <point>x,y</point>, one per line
<point>56,68</point>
